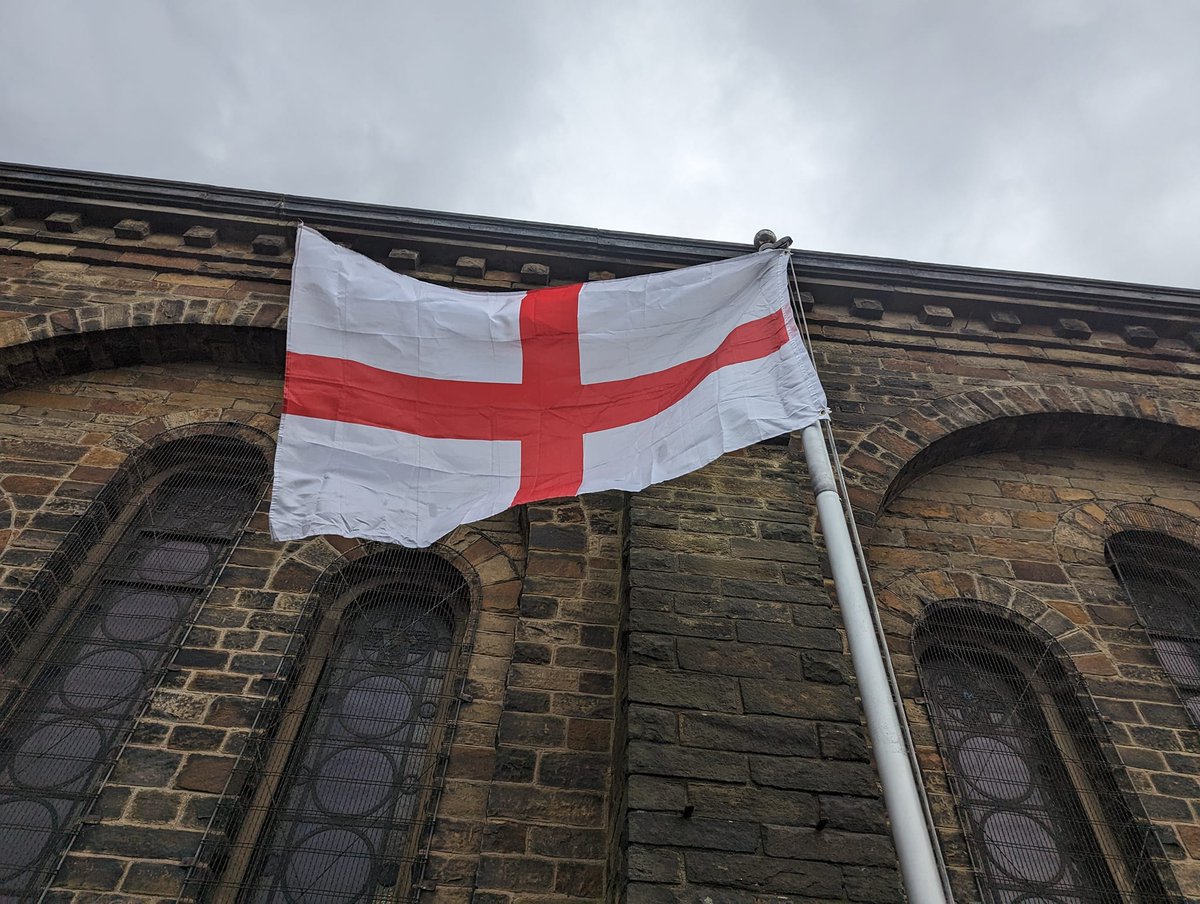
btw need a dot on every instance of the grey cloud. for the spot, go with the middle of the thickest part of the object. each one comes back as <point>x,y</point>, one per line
<point>1055,136</point>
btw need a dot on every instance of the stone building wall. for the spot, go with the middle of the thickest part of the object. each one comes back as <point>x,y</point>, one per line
<point>658,705</point>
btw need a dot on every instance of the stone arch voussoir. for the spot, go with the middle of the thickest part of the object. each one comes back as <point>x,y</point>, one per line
<point>910,598</point>
<point>486,567</point>
<point>877,463</point>
<point>1081,532</point>
<point>165,311</point>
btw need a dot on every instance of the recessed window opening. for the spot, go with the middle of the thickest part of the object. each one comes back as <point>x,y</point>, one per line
<point>1161,576</point>
<point>1043,819</point>
<point>86,673</point>
<point>346,787</point>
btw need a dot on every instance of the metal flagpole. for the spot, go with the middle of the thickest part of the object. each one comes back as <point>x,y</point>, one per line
<point>914,845</point>
<point>912,832</point>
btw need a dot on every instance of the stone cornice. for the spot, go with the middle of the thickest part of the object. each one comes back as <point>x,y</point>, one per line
<point>228,230</point>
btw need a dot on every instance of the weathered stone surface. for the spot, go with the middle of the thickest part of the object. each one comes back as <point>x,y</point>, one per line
<point>984,466</point>
<point>131,229</point>
<point>936,315</point>
<point>866,308</point>
<point>1003,321</point>
<point>403,259</point>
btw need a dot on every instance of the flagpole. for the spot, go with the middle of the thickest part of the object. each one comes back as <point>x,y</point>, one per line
<point>910,831</point>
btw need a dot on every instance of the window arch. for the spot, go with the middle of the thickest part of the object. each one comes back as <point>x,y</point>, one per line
<point>1161,576</point>
<point>1043,818</point>
<point>346,781</point>
<point>89,639</point>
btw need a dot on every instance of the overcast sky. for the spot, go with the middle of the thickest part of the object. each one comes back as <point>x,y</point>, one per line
<point>1058,136</point>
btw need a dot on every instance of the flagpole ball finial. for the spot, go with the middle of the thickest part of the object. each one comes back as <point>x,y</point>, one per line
<point>763,237</point>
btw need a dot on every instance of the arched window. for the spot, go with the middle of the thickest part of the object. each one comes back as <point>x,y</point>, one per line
<point>86,660</point>
<point>1043,819</point>
<point>347,779</point>
<point>1161,575</point>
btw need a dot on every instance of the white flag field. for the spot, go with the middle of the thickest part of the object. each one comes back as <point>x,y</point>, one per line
<point>411,408</point>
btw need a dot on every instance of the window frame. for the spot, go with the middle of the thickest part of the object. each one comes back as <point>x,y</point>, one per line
<point>1122,555</point>
<point>950,629</point>
<point>228,883</point>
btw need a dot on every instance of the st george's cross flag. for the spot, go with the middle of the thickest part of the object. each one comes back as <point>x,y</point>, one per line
<point>411,408</point>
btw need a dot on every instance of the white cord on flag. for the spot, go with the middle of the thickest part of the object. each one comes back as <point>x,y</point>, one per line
<point>860,556</point>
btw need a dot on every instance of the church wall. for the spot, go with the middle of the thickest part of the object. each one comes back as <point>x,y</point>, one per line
<point>747,767</point>
<point>1023,531</point>
<point>658,705</point>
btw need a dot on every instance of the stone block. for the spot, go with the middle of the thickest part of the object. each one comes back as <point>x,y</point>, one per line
<point>843,742</point>
<point>648,792</point>
<point>131,229</point>
<point>566,843</point>
<point>7,215</point>
<point>1003,321</point>
<point>597,275</point>
<point>669,760</point>
<point>935,315</point>
<point>546,805</point>
<point>687,691</point>
<point>200,237</point>
<point>154,806</point>
<point>532,730</point>
<point>875,885</point>
<point>668,830</point>
<point>146,767</point>
<point>473,267</point>
<point>866,308</point>
<point>751,734</point>
<point>750,803</point>
<point>93,873</point>
<point>1193,340</point>
<point>804,843</point>
<point>535,274</point>
<point>403,259</point>
<point>579,881</point>
<point>802,774</point>
<point>139,842</point>
<point>574,771</point>
<point>505,837</point>
<point>648,864</point>
<point>718,657</point>
<point>515,873</point>
<point>1072,328</point>
<point>195,737</point>
<point>1140,336</point>
<point>155,879</point>
<point>269,245</point>
<point>515,764</point>
<point>648,723</point>
<point>749,873</point>
<point>64,221</point>
<point>800,699</point>
<point>806,301</point>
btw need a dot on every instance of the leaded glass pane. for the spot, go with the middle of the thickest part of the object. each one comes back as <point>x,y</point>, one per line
<point>345,809</point>
<point>1024,821</point>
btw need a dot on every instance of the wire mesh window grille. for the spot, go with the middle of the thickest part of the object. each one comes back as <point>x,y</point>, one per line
<point>1161,576</point>
<point>1043,818</point>
<point>85,675</point>
<point>346,777</point>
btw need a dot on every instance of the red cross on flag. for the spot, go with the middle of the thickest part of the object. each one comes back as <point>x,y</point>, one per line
<point>411,408</point>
